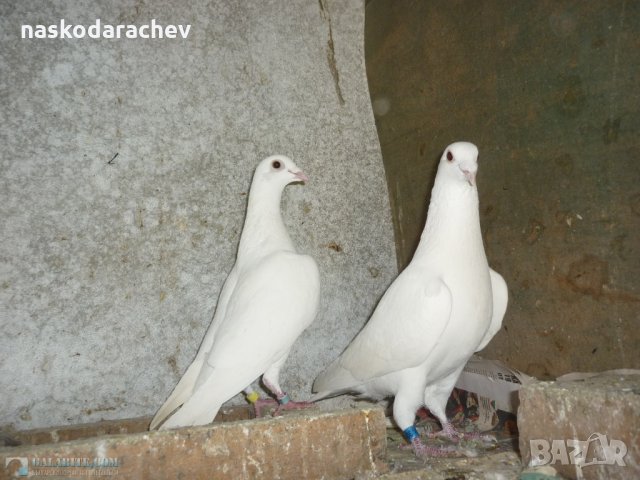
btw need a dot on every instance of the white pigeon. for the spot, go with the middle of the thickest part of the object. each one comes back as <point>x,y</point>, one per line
<point>446,305</point>
<point>270,296</point>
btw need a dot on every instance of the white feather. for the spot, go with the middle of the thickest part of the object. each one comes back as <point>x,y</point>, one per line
<point>500,295</point>
<point>436,314</point>
<point>270,296</point>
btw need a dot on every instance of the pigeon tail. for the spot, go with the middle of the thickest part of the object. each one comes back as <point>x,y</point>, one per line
<point>180,394</point>
<point>200,414</point>
<point>331,393</point>
<point>335,378</point>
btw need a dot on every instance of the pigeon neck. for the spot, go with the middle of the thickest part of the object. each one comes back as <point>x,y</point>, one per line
<point>453,221</point>
<point>264,231</point>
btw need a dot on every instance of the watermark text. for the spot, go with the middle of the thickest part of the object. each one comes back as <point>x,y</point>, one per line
<point>595,450</point>
<point>63,29</point>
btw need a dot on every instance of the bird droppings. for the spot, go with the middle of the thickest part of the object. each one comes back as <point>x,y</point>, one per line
<point>334,246</point>
<point>588,275</point>
<point>173,363</point>
<point>534,231</point>
<point>24,414</point>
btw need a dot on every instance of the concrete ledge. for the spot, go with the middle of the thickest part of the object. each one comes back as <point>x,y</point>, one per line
<point>598,415</point>
<point>330,445</point>
<point>66,433</point>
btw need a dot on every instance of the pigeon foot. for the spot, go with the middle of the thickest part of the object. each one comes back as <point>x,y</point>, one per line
<point>264,403</point>
<point>261,404</point>
<point>285,404</point>
<point>450,432</point>
<point>422,450</point>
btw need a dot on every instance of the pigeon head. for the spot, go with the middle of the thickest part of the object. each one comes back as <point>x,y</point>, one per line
<point>459,162</point>
<point>279,170</point>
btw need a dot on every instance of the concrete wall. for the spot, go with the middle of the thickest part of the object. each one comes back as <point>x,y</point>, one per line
<point>550,92</point>
<point>125,166</point>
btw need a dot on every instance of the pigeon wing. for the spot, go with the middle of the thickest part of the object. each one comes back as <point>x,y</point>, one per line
<point>273,302</point>
<point>183,390</point>
<point>500,295</point>
<point>270,307</point>
<point>401,333</point>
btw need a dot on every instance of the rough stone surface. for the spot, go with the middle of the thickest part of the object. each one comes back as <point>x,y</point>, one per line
<point>123,177</point>
<point>331,445</point>
<point>389,458</point>
<point>550,93</point>
<point>66,433</point>
<point>469,460</point>
<point>491,466</point>
<point>605,405</point>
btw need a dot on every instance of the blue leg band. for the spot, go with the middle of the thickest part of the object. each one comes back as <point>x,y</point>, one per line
<point>410,433</point>
<point>284,400</point>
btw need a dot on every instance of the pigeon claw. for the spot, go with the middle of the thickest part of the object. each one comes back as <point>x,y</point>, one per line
<point>449,432</point>
<point>291,405</point>
<point>421,450</point>
<point>261,404</point>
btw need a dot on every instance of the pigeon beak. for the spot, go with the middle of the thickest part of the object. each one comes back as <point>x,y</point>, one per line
<point>470,176</point>
<point>300,176</point>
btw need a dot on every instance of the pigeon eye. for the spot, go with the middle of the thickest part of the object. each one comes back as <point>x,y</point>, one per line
<point>276,165</point>
<point>449,156</point>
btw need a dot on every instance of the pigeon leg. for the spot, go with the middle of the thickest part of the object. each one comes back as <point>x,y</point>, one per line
<point>448,431</point>
<point>405,404</point>
<point>270,380</point>
<point>422,450</point>
<point>284,402</point>
<point>261,403</point>
<point>258,403</point>
<point>436,396</point>
<point>287,404</point>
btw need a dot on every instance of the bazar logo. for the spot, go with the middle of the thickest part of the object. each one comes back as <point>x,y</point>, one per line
<point>595,450</point>
<point>67,466</point>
